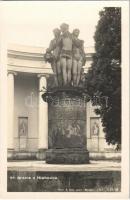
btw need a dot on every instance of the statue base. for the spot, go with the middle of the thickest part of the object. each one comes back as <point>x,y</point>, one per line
<point>67,141</point>
<point>67,156</point>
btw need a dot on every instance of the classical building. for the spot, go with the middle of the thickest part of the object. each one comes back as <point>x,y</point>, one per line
<point>28,113</point>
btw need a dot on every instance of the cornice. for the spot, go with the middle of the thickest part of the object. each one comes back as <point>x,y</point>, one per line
<point>25,55</point>
<point>36,53</point>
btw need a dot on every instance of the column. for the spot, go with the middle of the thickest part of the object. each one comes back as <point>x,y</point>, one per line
<point>43,116</point>
<point>10,110</point>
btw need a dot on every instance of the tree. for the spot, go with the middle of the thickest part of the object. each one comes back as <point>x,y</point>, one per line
<point>104,76</point>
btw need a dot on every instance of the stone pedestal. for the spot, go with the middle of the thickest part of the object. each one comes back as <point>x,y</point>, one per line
<point>67,156</point>
<point>66,127</point>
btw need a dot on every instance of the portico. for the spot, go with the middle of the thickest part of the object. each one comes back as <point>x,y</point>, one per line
<point>28,113</point>
<point>27,117</point>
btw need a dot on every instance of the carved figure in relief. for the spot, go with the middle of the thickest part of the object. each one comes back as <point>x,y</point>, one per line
<point>95,129</point>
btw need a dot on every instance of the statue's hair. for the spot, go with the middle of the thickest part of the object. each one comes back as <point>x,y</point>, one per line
<point>76,29</point>
<point>56,30</point>
<point>64,25</point>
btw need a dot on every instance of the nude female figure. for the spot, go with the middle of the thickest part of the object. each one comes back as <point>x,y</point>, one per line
<point>78,57</point>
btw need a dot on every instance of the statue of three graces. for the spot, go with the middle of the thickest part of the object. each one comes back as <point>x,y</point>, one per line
<point>66,55</point>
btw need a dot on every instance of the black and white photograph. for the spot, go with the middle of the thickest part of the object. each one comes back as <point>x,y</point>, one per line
<point>65,117</point>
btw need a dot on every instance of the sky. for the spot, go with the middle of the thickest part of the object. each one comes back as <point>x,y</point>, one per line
<point>31,23</point>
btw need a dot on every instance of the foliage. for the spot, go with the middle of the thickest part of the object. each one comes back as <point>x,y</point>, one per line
<point>104,76</point>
